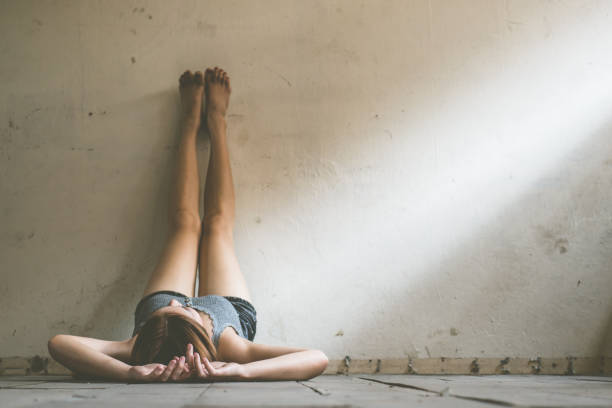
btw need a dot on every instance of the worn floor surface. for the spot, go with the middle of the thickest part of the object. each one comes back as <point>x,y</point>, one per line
<point>323,391</point>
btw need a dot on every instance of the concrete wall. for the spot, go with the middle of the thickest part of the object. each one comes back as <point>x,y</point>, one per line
<point>413,178</point>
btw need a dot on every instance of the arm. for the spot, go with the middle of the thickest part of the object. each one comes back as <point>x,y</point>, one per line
<point>89,356</point>
<point>264,362</point>
<point>300,365</point>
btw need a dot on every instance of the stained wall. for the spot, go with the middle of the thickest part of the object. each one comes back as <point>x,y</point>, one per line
<point>413,178</point>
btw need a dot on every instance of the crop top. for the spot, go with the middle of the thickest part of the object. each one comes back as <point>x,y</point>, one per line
<point>220,310</point>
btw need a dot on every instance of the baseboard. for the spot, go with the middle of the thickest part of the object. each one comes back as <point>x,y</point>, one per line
<point>38,365</point>
<point>474,366</point>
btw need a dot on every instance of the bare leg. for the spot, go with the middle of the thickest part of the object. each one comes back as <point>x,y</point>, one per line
<point>220,273</point>
<point>176,269</point>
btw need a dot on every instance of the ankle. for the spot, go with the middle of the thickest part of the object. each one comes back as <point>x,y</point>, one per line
<point>190,122</point>
<point>215,119</point>
<point>215,115</point>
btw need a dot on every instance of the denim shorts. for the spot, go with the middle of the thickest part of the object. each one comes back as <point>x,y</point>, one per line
<point>246,311</point>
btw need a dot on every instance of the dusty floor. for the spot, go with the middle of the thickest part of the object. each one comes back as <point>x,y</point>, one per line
<point>323,391</point>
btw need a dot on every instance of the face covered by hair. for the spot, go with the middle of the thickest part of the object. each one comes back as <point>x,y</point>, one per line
<point>166,335</point>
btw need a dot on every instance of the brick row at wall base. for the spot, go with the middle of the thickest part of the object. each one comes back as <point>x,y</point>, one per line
<point>38,365</point>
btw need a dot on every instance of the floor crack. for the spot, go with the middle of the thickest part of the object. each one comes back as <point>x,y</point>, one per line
<point>414,387</point>
<point>203,391</point>
<point>320,391</point>
<point>444,393</point>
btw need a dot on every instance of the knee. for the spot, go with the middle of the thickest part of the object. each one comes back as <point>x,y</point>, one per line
<point>186,221</point>
<point>217,224</point>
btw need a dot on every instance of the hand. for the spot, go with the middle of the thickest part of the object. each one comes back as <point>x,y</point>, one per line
<point>217,369</point>
<point>197,368</point>
<point>176,370</point>
<point>148,372</point>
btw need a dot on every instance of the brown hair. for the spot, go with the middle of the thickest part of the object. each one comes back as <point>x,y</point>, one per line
<point>166,335</point>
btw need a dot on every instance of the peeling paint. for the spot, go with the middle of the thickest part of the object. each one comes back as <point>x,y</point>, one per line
<point>570,366</point>
<point>410,368</point>
<point>347,365</point>
<point>38,364</point>
<point>536,364</point>
<point>474,367</point>
<point>501,367</point>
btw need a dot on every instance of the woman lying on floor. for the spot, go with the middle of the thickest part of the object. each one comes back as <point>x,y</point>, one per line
<point>178,336</point>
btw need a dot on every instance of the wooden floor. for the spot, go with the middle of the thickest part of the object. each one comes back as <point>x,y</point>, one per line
<point>324,391</point>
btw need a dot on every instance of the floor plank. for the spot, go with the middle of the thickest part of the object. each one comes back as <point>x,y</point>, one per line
<point>533,391</point>
<point>353,391</point>
<point>283,393</point>
<point>380,391</point>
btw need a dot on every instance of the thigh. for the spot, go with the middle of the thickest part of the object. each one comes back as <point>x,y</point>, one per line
<point>176,269</point>
<point>220,272</point>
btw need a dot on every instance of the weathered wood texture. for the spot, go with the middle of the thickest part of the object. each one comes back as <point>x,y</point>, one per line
<point>323,391</point>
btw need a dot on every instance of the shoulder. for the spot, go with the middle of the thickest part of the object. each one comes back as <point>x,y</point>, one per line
<point>233,347</point>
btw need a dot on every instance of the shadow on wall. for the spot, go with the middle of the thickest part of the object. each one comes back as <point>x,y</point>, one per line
<point>145,235</point>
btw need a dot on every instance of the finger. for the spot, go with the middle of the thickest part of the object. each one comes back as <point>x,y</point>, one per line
<point>202,373</point>
<point>186,373</point>
<point>211,370</point>
<point>156,372</point>
<point>190,355</point>
<point>178,369</point>
<point>168,371</point>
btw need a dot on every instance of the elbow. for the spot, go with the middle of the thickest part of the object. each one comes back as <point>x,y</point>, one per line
<point>321,363</point>
<point>52,345</point>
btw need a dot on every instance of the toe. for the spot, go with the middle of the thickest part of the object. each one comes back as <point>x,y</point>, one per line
<point>185,78</point>
<point>208,75</point>
<point>198,78</point>
<point>218,75</point>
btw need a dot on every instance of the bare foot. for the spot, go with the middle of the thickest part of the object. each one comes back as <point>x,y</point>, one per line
<point>218,91</point>
<point>191,88</point>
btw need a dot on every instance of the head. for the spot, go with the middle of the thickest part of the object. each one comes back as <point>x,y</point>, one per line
<point>166,334</point>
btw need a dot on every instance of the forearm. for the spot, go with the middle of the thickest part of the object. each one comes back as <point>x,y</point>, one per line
<point>300,365</point>
<point>83,359</point>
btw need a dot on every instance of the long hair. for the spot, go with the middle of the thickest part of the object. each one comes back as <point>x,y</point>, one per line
<point>164,336</point>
